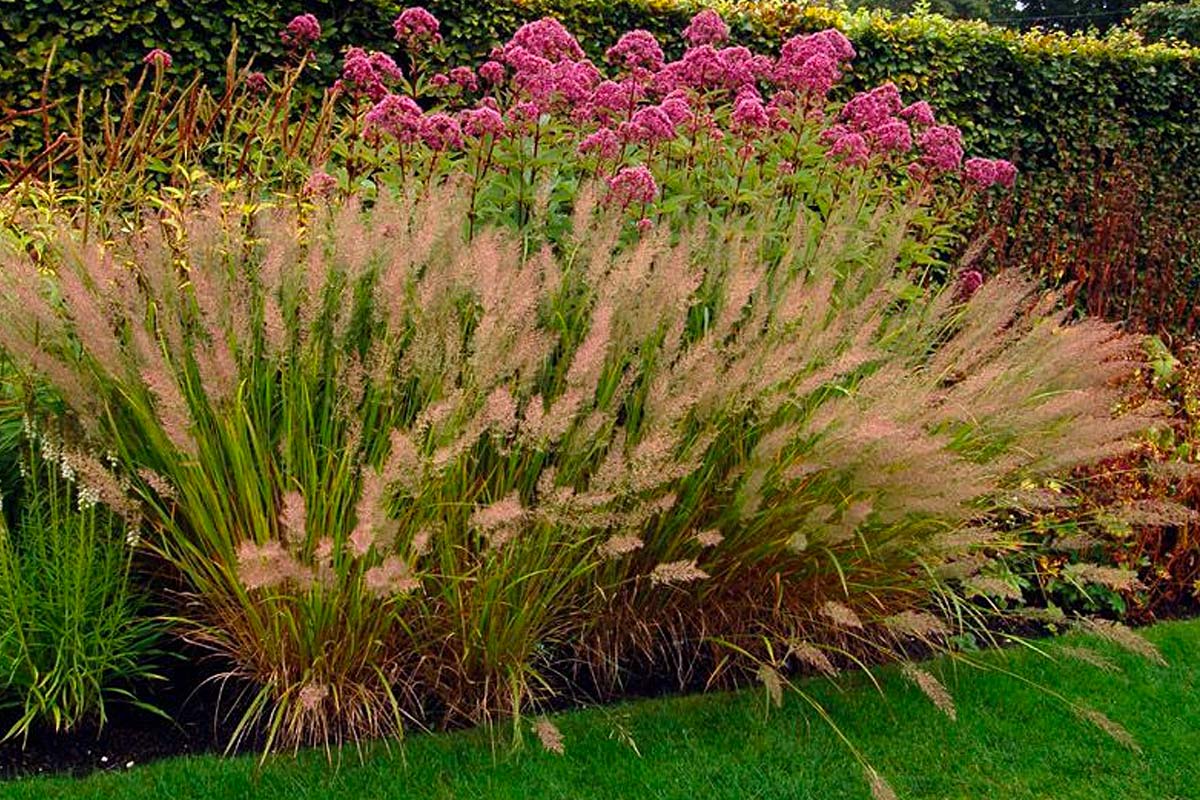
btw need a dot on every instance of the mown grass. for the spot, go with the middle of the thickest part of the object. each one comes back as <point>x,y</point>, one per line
<point>1011,741</point>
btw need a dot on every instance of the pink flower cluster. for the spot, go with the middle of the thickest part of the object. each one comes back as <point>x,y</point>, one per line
<point>705,68</point>
<point>632,185</point>
<point>397,116</point>
<point>483,121</point>
<point>941,148</point>
<point>873,123</point>
<point>706,28</point>
<point>320,184</point>
<point>714,88</point>
<point>256,83</point>
<point>638,52</point>
<point>546,38</point>
<point>417,29</point>
<point>813,64</point>
<point>301,32</point>
<point>368,74</point>
<point>984,173</point>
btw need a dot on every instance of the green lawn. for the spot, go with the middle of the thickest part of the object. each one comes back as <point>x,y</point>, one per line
<point>1010,741</point>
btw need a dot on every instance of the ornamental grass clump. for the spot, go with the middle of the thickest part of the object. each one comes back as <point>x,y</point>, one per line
<point>414,475</point>
<point>586,383</point>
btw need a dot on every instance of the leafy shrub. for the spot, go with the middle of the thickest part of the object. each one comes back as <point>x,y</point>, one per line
<point>73,637</point>
<point>1161,22</point>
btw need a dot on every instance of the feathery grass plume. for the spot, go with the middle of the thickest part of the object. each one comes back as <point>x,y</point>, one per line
<point>1089,656</point>
<point>812,656</point>
<point>841,615</point>
<point>1113,729</point>
<point>917,624</point>
<point>550,736</point>
<point>989,586</point>
<point>932,688</point>
<point>772,683</point>
<point>1124,638</point>
<point>677,572</point>
<point>506,442</point>
<point>1115,578</point>
<point>880,788</point>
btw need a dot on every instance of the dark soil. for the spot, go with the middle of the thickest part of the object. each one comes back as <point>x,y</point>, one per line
<point>132,736</point>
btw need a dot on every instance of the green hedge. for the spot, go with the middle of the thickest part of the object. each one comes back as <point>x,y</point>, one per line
<point>1162,22</point>
<point>1034,96</point>
<point>99,45</point>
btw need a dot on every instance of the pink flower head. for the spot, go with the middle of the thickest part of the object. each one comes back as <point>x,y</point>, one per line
<point>158,58</point>
<point>545,38</point>
<point>834,132</point>
<point>707,27</point>
<point>813,63</point>
<point>941,148</point>
<point>320,184</point>
<point>652,124</point>
<point>700,68</point>
<point>441,131</point>
<point>301,32</point>
<point>524,114</point>
<point>677,107</point>
<point>892,136</point>
<point>979,171</point>
<point>829,43</point>
<point>368,74</point>
<point>416,29</point>
<point>786,167</point>
<point>749,115</point>
<point>611,100</point>
<point>492,72</point>
<point>888,95</point>
<point>969,282</point>
<point>604,143</point>
<point>1006,173</point>
<point>256,83</point>
<point>385,67</point>
<point>850,150</point>
<point>484,121</point>
<point>632,185</point>
<point>815,75</point>
<point>741,67</point>
<point>636,50</point>
<point>985,173</point>
<point>835,43</point>
<point>464,78</point>
<point>440,80</point>
<point>645,225</point>
<point>867,110</point>
<point>551,83</point>
<point>397,116</point>
<point>919,113</point>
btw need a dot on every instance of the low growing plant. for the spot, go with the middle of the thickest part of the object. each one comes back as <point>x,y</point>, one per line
<point>74,637</point>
